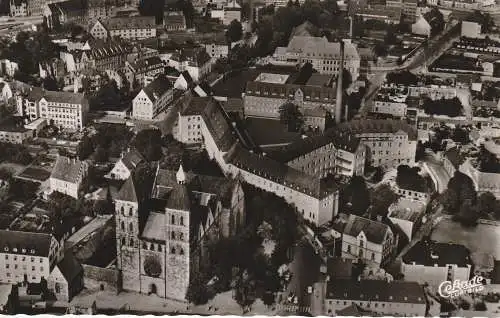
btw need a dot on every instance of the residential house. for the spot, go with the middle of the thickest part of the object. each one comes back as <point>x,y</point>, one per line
<point>66,279</point>
<point>67,176</point>
<point>380,297</point>
<point>217,50</point>
<point>389,15</point>
<point>367,241</point>
<point>144,71</point>
<point>194,60</point>
<point>153,99</point>
<point>408,214</point>
<point>13,131</point>
<point>184,81</point>
<point>124,167</point>
<point>130,28</point>
<point>433,263</point>
<point>102,55</point>
<point>315,118</point>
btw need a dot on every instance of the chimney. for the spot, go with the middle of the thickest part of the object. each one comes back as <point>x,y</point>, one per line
<point>338,107</point>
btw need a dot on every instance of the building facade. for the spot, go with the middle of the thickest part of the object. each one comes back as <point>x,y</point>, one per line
<point>68,175</point>
<point>130,28</point>
<point>390,108</point>
<point>153,99</point>
<point>18,8</point>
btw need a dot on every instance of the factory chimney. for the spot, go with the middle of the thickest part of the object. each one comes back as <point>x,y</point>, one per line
<point>338,106</point>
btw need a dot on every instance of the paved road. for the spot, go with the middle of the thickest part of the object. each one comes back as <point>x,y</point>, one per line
<point>305,270</point>
<point>437,169</point>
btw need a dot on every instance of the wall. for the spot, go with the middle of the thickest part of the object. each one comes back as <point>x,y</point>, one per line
<point>484,181</point>
<point>109,277</point>
<point>387,308</point>
<point>433,275</point>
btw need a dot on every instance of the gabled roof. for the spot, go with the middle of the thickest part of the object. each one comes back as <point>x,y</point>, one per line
<point>28,243</point>
<point>375,231</point>
<point>157,88</point>
<point>36,94</point>
<point>134,22</point>
<point>69,267</point>
<point>179,198</point>
<point>127,191</point>
<point>362,126</point>
<point>131,159</point>
<point>67,169</point>
<point>144,64</point>
<point>187,77</point>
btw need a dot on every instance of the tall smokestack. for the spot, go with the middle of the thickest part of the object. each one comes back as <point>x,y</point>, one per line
<point>338,106</point>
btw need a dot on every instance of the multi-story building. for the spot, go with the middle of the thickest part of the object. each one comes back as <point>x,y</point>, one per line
<point>27,257</point>
<point>13,132</point>
<point>62,109</point>
<point>183,215</point>
<point>386,14</point>
<point>124,167</point>
<point>332,153</point>
<point>389,107</point>
<point>100,9</point>
<point>131,28</point>
<point>8,67</point>
<point>268,92</point>
<point>144,71</point>
<point>195,60</point>
<point>35,7</point>
<point>433,263</point>
<point>434,92</point>
<point>67,176</point>
<point>153,99</point>
<point>102,55</point>
<point>18,8</point>
<point>59,13</point>
<point>395,298</point>
<point>466,4</point>
<point>174,21</point>
<point>216,50</point>
<point>324,56</point>
<point>367,241</point>
<point>390,143</point>
<point>409,8</point>
<point>305,192</point>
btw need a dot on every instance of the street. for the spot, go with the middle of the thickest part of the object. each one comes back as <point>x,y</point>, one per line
<point>438,171</point>
<point>305,269</point>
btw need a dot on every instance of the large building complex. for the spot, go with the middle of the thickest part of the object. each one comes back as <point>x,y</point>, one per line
<point>132,28</point>
<point>325,56</point>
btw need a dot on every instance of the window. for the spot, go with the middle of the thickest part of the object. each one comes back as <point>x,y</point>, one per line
<point>6,256</point>
<point>32,268</point>
<point>123,226</point>
<point>41,260</point>
<point>130,211</point>
<point>144,246</point>
<point>132,242</point>
<point>151,247</point>
<point>159,248</point>
<point>172,251</point>
<point>7,265</point>
<point>181,252</point>
<point>373,256</point>
<point>32,259</point>
<point>131,227</point>
<point>182,221</point>
<point>173,219</point>
<point>58,288</point>
<point>348,248</point>
<point>123,241</point>
<point>173,235</point>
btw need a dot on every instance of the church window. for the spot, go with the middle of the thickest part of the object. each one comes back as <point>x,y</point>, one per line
<point>173,219</point>
<point>131,227</point>
<point>130,211</point>
<point>123,226</point>
<point>182,220</point>
<point>123,241</point>
<point>172,235</point>
<point>132,242</point>
<point>181,252</point>
<point>159,247</point>
<point>172,251</point>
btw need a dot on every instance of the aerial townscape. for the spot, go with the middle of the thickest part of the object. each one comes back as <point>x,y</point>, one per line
<point>250,157</point>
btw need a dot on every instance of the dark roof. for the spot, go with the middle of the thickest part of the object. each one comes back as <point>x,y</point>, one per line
<point>196,56</point>
<point>187,77</point>
<point>320,94</point>
<point>339,268</point>
<point>454,156</point>
<point>11,124</point>
<point>429,253</point>
<point>100,49</point>
<point>375,231</point>
<point>344,141</point>
<point>375,290</point>
<point>275,171</point>
<point>67,169</point>
<point>134,22</point>
<point>355,311</point>
<point>195,106</point>
<point>378,126</point>
<point>55,96</point>
<point>233,105</point>
<point>69,267</point>
<point>179,198</point>
<point>174,18</point>
<point>127,191</point>
<point>217,124</point>
<point>68,6</point>
<point>268,131</point>
<point>144,64</point>
<point>131,159</point>
<point>28,243</point>
<point>157,88</point>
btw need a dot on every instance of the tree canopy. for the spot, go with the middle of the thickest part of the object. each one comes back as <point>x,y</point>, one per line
<point>291,116</point>
<point>234,31</point>
<point>449,107</point>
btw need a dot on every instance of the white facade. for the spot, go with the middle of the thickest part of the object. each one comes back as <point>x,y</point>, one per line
<point>66,115</point>
<point>434,275</point>
<point>19,10</point>
<point>217,51</point>
<point>360,248</point>
<point>146,109</point>
<point>390,149</point>
<point>391,108</point>
<point>190,130</point>
<point>471,30</point>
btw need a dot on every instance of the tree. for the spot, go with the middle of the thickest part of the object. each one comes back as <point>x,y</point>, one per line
<point>197,290</point>
<point>358,195</point>
<point>460,135</point>
<point>85,148</point>
<point>436,20</point>
<point>291,116</point>
<point>382,198</point>
<point>148,143</point>
<point>234,31</point>
<point>487,203</point>
<point>449,107</point>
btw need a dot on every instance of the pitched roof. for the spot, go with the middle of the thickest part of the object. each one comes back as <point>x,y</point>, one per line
<point>320,46</point>
<point>69,170</point>
<point>131,159</point>
<point>155,228</point>
<point>174,18</point>
<point>127,191</point>
<point>319,94</point>
<point>196,56</point>
<point>428,253</point>
<point>37,94</point>
<point>376,290</point>
<point>187,77</point>
<point>363,126</point>
<point>157,88</point>
<point>354,311</point>
<point>144,64</point>
<point>134,22</point>
<point>68,6</point>
<point>28,243</point>
<point>179,198</point>
<point>69,267</point>
<point>375,231</point>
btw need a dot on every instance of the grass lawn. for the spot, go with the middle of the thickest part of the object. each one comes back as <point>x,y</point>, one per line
<point>15,168</point>
<point>481,238</point>
<point>35,174</point>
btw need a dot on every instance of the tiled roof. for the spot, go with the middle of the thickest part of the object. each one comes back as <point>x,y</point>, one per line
<point>69,267</point>
<point>173,18</point>
<point>67,169</point>
<point>375,290</point>
<point>344,141</point>
<point>197,56</point>
<point>428,253</point>
<point>100,49</point>
<point>320,94</point>
<point>157,88</point>
<point>36,93</point>
<point>217,124</point>
<point>131,159</point>
<point>28,243</point>
<point>320,47</point>
<point>339,267</point>
<point>378,126</point>
<point>155,227</point>
<point>179,198</point>
<point>144,64</point>
<point>375,231</point>
<point>68,6</point>
<point>233,105</point>
<point>275,171</point>
<point>135,22</point>
<point>127,191</point>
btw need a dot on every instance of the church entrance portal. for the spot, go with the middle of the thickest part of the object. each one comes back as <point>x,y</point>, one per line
<point>152,289</point>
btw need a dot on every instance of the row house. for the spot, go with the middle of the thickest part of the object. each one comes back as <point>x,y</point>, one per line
<point>153,99</point>
<point>103,55</point>
<point>144,71</point>
<point>194,60</point>
<point>174,21</point>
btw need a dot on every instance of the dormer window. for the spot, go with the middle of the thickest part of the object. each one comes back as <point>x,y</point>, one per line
<point>6,249</point>
<point>14,249</point>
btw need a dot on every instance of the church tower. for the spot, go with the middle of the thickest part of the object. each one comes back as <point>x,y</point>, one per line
<point>178,253</point>
<point>127,233</point>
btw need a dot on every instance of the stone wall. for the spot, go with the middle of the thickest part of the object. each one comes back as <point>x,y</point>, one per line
<point>108,277</point>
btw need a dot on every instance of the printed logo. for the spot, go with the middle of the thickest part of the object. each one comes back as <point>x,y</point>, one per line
<point>457,288</point>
